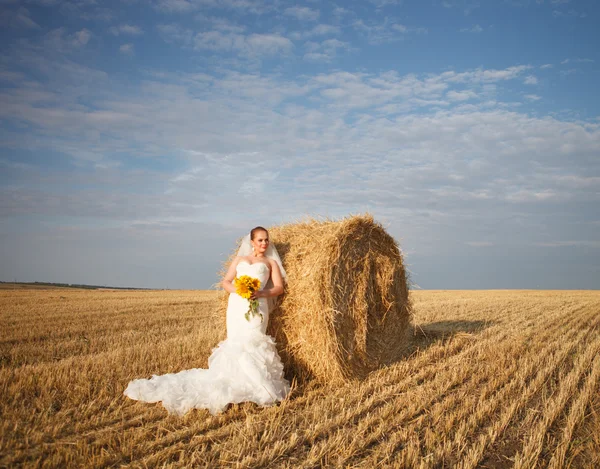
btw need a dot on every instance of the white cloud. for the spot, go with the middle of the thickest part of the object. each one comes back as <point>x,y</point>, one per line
<point>474,29</point>
<point>317,57</point>
<point>530,80</point>
<point>256,185</point>
<point>532,97</point>
<point>126,49</point>
<point>570,71</point>
<point>302,13</point>
<point>82,37</point>
<point>19,18</point>
<point>175,6</point>
<point>406,29</point>
<point>97,14</point>
<point>186,6</point>
<point>436,135</point>
<point>577,60</point>
<point>569,14</point>
<point>58,40</point>
<point>384,3</point>
<point>527,195</point>
<point>577,182</point>
<point>254,87</point>
<point>460,95</point>
<point>385,31</point>
<point>220,24</point>
<point>467,6</point>
<point>126,29</point>
<point>253,44</point>
<point>174,33</point>
<point>324,51</point>
<point>318,30</point>
<point>546,66</point>
<point>562,244</point>
<point>251,6</point>
<point>341,12</point>
<point>485,75</point>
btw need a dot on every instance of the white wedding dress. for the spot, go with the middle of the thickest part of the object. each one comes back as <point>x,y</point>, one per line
<point>244,367</point>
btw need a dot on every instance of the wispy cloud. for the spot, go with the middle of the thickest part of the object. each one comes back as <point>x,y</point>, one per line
<point>570,71</point>
<point>530,80</point>
<point>174,33</point>
<point>126,29</point>
<point>185,6</point>
<point>486,75</point>
<point>401,28</point>
<point>388,30</point>
<point>252,44</point>
<point>59,40</point>
<point>569,13</point>
<point>302,13</point>
<point>177,6</point>
<point>318,30</point>
<point>473,29</point>
<point>126,49</point>
<point>18,18</point>
<point>532,97</point>
<point>577,60</point>
<point>325,50</point>
<point>453,95</point>
<point>467,6</point>
<point>561,244</point>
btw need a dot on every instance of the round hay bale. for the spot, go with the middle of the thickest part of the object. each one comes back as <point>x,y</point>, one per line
<point>346,309</point>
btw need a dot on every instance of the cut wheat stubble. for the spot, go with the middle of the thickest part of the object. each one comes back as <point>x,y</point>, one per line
<point>399,415</point>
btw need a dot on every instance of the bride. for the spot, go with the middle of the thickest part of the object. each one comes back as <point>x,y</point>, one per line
<point>245,366</point>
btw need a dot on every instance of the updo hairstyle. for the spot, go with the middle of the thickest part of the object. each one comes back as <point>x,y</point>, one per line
<point>253,231</point>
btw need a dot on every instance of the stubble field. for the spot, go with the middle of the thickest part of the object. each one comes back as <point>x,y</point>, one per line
<point>494,379</point>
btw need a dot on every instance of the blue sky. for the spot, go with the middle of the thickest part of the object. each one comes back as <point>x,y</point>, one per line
<point>140,139</point>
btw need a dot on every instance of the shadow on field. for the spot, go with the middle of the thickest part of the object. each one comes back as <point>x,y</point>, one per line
<point>426,335</point>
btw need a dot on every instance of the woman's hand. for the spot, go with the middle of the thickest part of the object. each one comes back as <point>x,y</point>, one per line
<point>256,295</point>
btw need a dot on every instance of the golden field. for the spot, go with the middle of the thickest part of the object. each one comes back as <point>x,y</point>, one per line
<point>493,379</point>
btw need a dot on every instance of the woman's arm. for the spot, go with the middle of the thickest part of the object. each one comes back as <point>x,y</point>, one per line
<point>230,275</point>
<point>277,288</point>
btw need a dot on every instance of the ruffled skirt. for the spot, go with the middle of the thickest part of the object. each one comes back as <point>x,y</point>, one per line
<point>241,368</point>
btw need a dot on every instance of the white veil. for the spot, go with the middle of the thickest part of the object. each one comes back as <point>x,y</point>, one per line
<point>270,253</point>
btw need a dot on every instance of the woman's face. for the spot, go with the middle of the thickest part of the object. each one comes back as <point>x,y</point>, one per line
<point>260,242</point>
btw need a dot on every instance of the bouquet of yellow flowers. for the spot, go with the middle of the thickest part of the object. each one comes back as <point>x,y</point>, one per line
<point>245,286</point>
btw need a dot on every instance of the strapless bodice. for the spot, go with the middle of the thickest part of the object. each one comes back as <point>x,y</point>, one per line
<point>257,270</point>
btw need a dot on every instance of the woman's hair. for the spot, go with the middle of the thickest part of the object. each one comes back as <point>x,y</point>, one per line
<point>253,231</point>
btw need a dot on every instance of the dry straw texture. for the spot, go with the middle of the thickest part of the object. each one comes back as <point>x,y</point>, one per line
<point>497,379</point>
<point>346,310</point>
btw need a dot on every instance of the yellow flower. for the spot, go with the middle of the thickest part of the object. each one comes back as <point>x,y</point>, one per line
<point>243,291</point>
<point>245,286</point>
